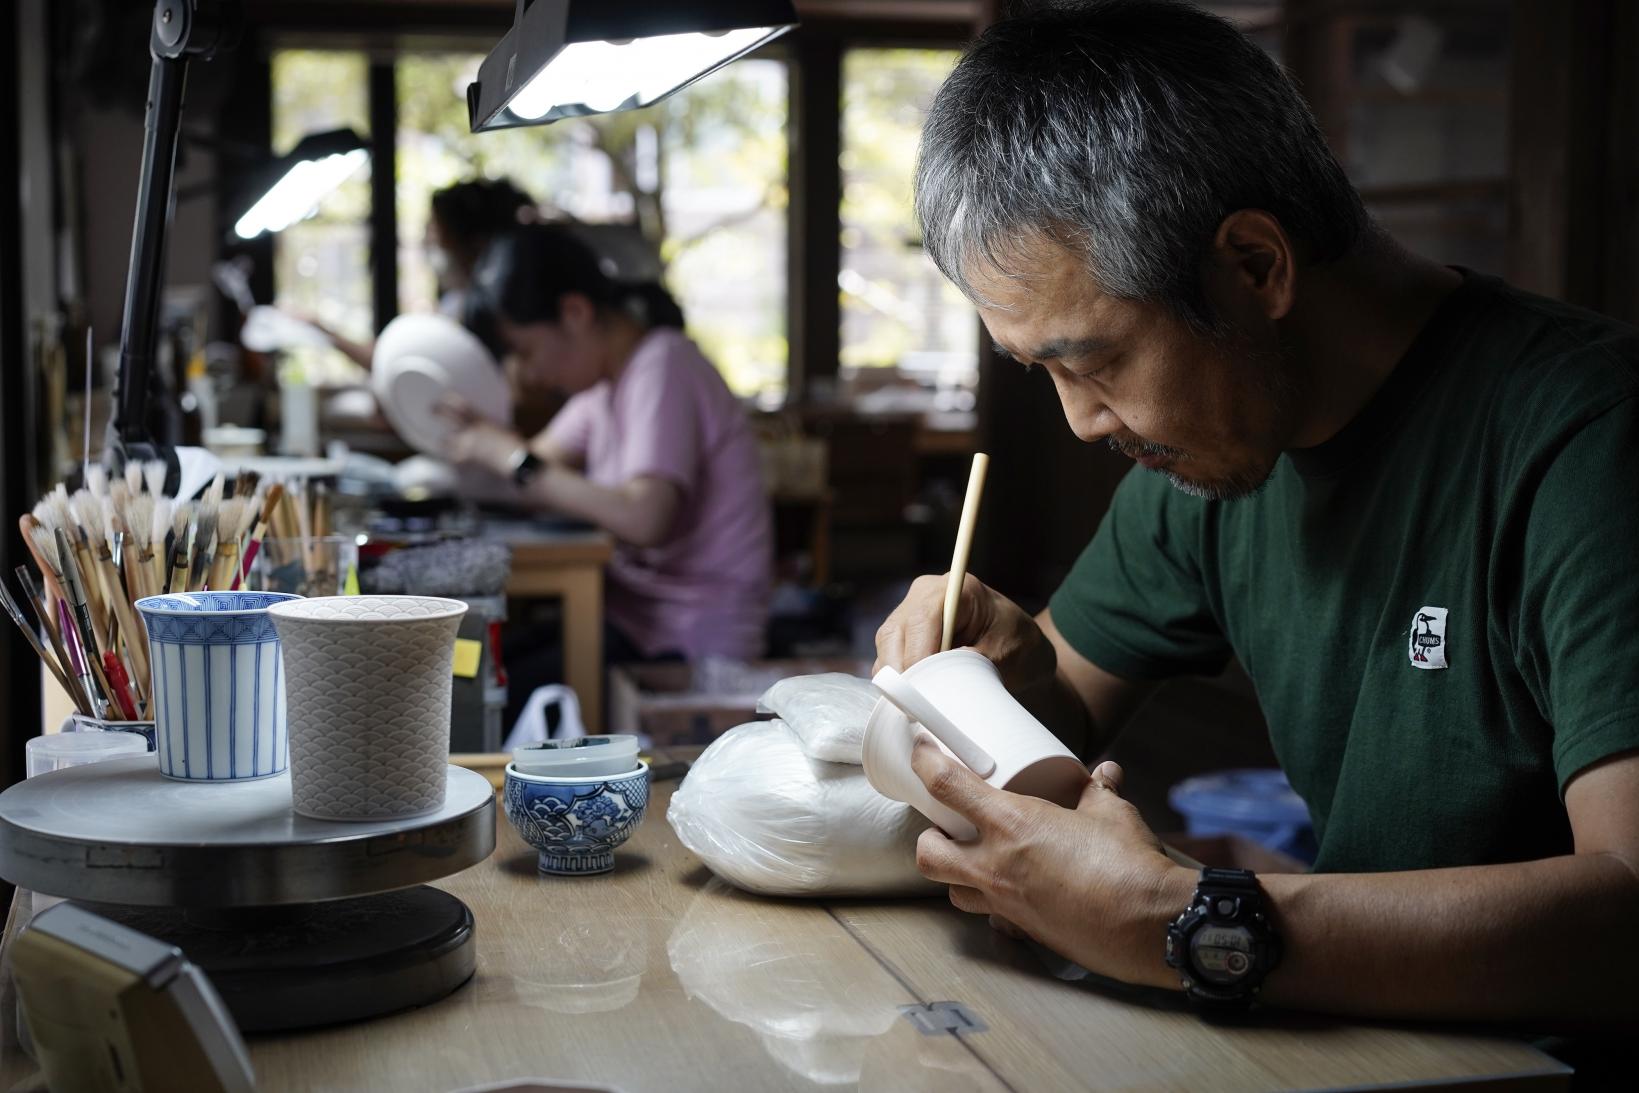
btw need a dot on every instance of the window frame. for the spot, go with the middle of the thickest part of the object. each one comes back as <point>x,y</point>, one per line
<point>813,55</point>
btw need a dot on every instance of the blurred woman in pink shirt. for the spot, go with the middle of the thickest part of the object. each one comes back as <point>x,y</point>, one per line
<point>651,444</point>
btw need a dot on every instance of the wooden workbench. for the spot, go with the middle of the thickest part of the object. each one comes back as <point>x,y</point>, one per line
<point>658,977</point>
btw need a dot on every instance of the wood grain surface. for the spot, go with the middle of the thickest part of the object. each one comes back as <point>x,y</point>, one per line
<point>659,977</point>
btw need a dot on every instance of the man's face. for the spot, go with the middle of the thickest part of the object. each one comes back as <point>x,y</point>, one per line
<point>1212,412</point>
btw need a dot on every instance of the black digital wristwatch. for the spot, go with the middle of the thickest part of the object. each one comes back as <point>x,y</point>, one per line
<point>1223,944</point>
<point>525,465</point>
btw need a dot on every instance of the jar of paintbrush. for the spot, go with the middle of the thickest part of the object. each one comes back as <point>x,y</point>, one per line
<point>99,549</point>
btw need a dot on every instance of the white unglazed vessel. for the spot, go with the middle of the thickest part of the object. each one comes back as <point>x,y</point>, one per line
<point>367,689</point>
<point>958,697</point>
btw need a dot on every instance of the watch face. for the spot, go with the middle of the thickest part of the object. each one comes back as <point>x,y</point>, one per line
<point>1221,955</point>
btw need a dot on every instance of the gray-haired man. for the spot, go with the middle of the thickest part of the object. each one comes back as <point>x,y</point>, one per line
<point>1405,501</point>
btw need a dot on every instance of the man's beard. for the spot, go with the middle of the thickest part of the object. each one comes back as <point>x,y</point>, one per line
<point>1271,381</point>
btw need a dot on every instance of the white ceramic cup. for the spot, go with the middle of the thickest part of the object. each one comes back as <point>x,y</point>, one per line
<point>219,711</point>
<point>367,685</point>
<point>959,698</point>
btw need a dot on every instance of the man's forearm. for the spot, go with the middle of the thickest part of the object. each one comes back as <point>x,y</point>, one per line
<point>1544,940</point>
<point>1055,704</point>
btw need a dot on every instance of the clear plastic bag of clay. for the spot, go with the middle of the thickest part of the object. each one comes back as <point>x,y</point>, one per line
<point>764,816</point>
<point>827,711</point>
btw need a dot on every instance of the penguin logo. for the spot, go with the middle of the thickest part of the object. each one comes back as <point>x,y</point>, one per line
<point>1427,647</point>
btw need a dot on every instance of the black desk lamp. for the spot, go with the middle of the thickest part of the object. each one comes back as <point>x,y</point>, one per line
<point>570,58</point>
<point>182,30</point>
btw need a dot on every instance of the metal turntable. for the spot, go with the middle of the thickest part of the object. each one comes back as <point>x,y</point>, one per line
<point>298,922</point>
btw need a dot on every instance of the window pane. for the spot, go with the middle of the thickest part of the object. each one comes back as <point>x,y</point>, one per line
<point>897,310</point>
<point>322,264</point>
<point>703,174</point>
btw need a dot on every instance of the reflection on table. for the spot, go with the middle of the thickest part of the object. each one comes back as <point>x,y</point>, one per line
<point>657,977</point>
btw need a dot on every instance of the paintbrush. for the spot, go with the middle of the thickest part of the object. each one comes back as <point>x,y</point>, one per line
<point>124,698</point>
<point>135,634</point>
<point>40,651</point>
<point>88,665</point>
<point>259,532</point>
<point>153,473</point>
<point>138,520</point>
<point>96,479</point>
<point>37,537</point>
<point>232,521</point>
<point>87,513</point>
<point>204,539</point>
<point>37,601</point>
<point>55,512</point>
<point>134,477</point>
<point>153,558</point>
<point>85,443</point>
<point>182,532</point>
<point>246,483</point>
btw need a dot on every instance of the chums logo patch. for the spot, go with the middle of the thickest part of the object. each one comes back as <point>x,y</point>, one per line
<point>1427,648</point>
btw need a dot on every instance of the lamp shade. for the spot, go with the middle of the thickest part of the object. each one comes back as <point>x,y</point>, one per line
<point>571,58</point>
<point>301,178</point>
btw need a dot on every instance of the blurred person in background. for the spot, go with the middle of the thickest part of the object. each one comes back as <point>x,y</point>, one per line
<point>464,218</point>
<point>650,446</point>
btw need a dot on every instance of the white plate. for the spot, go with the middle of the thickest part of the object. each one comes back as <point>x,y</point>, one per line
<point>419,359</point>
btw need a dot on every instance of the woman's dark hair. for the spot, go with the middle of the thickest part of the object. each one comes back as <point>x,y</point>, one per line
<point>524,274</point>
<point>470,214</point>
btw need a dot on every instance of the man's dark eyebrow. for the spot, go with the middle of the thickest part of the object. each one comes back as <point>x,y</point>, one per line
<point>1056,350</point>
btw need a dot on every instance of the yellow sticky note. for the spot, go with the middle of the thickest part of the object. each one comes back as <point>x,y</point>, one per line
<point>467,654</point>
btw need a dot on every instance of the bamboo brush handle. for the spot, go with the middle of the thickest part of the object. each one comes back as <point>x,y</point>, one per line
<point>964,546</point>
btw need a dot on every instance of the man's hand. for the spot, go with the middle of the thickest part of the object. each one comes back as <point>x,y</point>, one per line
<point>1091,883</point>
<point>477,441</point>
<point>985,620</point>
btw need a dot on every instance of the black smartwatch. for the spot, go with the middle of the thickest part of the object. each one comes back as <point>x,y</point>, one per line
<point>1223,945</point>
<point>525,466</point>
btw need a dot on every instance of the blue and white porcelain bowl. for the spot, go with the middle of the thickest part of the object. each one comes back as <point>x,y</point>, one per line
<point>576,823</point>
<point>219,693</point>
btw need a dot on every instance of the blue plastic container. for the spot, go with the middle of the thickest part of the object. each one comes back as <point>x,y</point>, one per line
<point>1255,804</point>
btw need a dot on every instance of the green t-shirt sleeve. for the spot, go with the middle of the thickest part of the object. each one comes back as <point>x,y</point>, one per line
<point>1134,603</point>
<point>1578,627</point>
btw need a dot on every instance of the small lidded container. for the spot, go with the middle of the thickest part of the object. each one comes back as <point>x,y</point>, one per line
<point>575,801</point>
<point>581,757</point>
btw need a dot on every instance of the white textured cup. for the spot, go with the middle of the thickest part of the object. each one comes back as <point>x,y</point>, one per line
<point>367,686</point>
<point>964,687</point>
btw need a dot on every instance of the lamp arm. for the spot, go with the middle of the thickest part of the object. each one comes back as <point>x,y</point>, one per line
<point>180,29</point>
<point>146,276</point>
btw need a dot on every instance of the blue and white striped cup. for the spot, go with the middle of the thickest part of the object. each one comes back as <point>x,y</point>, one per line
<point>219,693</point>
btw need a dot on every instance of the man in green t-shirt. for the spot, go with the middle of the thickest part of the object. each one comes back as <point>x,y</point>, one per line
<point>1402,495</point>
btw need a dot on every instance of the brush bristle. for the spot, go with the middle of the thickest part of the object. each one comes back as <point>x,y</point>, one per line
<point>181,517</point>
<point>86,507</point>
<point>153,472</point>
<point>139,518</point>
<point>205,527</point>
<point>120,493</point>
<point>213,494</point>
<point>45,544</point>
<point>133,477</point>
<point>160,522</point>
<point>245,485</point>
<point>89,514</point>
<point>96,479</point>
<point>228,519</point>
<point>58,513</point>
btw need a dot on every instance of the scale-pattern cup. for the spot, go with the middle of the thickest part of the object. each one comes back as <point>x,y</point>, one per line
<point>368,682</point>
<point>218,685</point>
